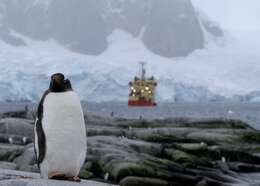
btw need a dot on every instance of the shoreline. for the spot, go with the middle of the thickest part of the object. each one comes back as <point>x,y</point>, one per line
<point>245,111</point>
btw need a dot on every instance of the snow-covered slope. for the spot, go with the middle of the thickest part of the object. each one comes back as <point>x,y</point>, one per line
<point>218,72</point>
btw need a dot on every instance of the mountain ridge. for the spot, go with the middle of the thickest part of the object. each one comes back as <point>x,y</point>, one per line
<point>170,28</point>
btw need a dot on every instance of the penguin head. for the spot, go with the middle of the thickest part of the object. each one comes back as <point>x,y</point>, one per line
<point>59,83</point>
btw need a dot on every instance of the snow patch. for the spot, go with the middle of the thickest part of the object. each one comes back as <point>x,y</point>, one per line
<point>114,7</point>
<point>45,3</point>
<point>256,99</point>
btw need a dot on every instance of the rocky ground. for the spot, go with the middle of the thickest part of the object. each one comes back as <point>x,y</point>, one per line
<point>18,178</point>
<point>177,152</point>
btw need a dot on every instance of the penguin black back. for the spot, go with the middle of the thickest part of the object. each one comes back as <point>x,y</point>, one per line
<point>41,139</point>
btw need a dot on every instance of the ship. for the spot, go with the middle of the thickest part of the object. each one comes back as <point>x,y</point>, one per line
<point>142,89</point>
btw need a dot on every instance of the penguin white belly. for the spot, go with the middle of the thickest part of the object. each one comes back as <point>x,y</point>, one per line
<point>64,128</point>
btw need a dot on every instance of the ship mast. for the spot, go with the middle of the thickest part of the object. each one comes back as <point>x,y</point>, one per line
<point>142,70</point>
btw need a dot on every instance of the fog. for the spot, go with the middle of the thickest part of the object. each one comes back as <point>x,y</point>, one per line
<point>237,16</point>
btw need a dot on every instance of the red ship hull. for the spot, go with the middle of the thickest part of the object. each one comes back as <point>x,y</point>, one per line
<point>141,103</point>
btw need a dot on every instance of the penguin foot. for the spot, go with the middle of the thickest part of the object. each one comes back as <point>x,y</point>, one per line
<point>57,176</point>
<point>74,178</point>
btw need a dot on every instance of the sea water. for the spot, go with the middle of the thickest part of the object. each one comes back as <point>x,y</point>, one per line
<point>245,111</point>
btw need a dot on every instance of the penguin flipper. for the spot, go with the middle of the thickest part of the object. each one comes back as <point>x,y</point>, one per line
<point>39,136</point>
<point>35,142</point>
<point>40,143</point>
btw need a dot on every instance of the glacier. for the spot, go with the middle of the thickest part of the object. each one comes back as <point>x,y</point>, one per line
<point>226,68</point>
<point>219,72</point>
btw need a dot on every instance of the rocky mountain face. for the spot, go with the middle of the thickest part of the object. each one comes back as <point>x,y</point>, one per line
<point>169,28</point>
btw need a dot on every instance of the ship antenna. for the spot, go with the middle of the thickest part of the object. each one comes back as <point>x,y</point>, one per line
<point>142,70</point>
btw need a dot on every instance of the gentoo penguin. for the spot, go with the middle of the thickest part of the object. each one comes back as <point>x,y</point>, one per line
<point>60,133</point>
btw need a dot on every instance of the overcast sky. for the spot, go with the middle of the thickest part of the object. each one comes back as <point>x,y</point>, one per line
<point>241,17</point>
